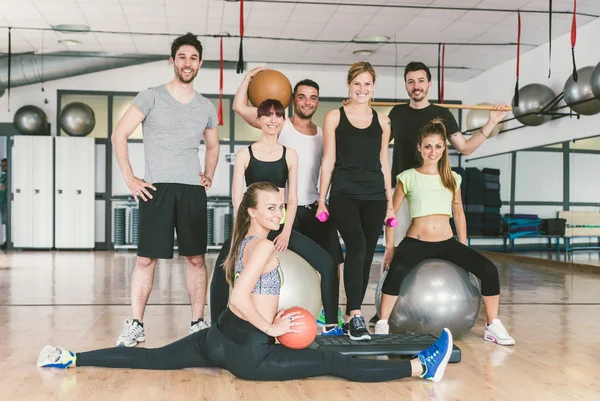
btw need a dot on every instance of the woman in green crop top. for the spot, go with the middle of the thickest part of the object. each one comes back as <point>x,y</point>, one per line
<point>433,194</point>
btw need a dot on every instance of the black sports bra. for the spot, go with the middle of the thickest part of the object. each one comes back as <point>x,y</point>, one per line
<point>275,172</point>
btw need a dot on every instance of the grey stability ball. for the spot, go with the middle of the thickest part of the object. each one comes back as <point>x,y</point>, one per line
<point>31,120</point>
<point>532,100</point>
<point>595,81</point>
<point>77,119</point>
<point>579,95</point>
<point>436,294</point>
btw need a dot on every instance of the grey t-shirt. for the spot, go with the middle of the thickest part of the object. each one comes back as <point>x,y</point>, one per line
<point>172,134</point>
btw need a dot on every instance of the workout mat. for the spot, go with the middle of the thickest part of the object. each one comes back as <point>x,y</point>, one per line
<point>391,344</point>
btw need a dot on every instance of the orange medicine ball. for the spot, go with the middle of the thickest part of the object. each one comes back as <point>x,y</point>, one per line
<point>270,84</point>
<point>307,334</point>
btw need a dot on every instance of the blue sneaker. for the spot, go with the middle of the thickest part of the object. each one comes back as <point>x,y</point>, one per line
<point>435,358</point>
<point>56,357</point>
<point>335,332</point>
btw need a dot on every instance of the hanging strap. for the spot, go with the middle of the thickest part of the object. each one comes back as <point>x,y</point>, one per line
<point>9,64</point>
<point>240,64</point>
<point>443,72</point>
<point>574,39</point>
<point>439,72</point>
<point>516,98</point>
<point>220,112</point>
<point>549,38</point>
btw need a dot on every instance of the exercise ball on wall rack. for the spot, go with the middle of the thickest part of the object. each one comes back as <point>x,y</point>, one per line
<point>595,81</point>
<point>77,119</point>
<point>579,96</point>
<point>533,98</point>
<point>31,120</point>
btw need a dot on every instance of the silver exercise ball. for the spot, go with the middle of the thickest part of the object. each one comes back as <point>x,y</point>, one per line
<point>478,118</point>
<point>595,81</point>
<point>301,284</point>
<point>31,120</point>
<point>532,100</point>
<point>436,294</point>
<point>579,96</point>
<point>77,119</point>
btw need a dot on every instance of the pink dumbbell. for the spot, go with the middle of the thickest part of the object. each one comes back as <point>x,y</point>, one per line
<point>323,216</point>
<point>391,222</point>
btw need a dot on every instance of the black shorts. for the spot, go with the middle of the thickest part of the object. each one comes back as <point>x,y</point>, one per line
<point>324,234</point>
<point>178,207</point>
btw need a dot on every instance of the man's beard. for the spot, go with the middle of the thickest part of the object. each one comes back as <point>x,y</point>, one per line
<point>182,79</point>
<point>422,95</point>
<point>303,116</point>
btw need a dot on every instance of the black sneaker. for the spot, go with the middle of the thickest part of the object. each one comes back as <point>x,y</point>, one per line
<point>345,328</point>
<point>357,329</point>
<point>373,321</point>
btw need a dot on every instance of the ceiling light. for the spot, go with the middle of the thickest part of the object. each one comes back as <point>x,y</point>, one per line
<point>71,42</point>
<point>71,28</point>
<point>371,39</point>
<point>362,52</point>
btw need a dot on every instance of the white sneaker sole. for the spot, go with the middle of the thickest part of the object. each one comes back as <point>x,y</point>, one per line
<point>439,373</point>
<point>121,343</point>
<point>364,337</point>
<point>489,336</point>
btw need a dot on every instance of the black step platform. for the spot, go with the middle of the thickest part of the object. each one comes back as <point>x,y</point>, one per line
<point>391,344</point>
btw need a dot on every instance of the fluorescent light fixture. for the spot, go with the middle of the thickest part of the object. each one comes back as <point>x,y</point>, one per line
<point>362,52</point>
<point>71,28</point>
<point>71,42</point>
<point>371,39</point>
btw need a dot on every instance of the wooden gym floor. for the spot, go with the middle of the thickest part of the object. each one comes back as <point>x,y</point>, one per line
<point>79,300</point>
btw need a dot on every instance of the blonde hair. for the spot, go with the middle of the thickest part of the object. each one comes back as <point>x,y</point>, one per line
<point>242,224</point>
<point>437,127</point>
<point>358,68</point>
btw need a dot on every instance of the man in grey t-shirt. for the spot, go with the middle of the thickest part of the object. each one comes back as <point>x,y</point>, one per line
<point>174,120</point>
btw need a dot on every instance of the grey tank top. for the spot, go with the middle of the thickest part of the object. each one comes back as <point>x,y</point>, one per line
<point>268,283</point>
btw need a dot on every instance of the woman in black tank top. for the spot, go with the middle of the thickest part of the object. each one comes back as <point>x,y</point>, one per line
<point>355,163</point>
<point>266,160</point>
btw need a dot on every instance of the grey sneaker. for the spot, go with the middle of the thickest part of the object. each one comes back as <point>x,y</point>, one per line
<point>199,325</point>
<point>132,334</point>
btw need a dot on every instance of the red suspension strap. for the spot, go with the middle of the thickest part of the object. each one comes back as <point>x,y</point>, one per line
<point>574,39</point>
<point>443,63</point>
<point>220,111</point>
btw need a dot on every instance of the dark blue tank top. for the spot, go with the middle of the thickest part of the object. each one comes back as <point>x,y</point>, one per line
<point>357,172</point>
<point>275,172</point>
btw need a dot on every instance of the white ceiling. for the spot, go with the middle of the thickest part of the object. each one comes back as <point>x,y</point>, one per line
<point>336,20</point>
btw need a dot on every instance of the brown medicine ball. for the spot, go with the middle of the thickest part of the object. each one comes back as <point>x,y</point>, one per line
<point>269,84</point>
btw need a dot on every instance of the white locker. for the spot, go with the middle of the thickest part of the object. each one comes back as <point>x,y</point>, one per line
<point>32,192</point>
<point>74,223</point>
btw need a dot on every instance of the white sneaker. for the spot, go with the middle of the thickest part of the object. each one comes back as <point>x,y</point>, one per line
<point>497,333</point>
<point>196,327</point>
<point>132,334</point>
<point>382,327</point>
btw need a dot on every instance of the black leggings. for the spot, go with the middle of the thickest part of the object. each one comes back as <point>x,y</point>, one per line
<point>312,253</point>
<point>411,251</point>
<point>323,234</point>
<point>237,346</point>
<point>360,223</point>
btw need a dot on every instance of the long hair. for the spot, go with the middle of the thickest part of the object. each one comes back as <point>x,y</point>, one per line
<point>242,224</point>
<point>437,127</point>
